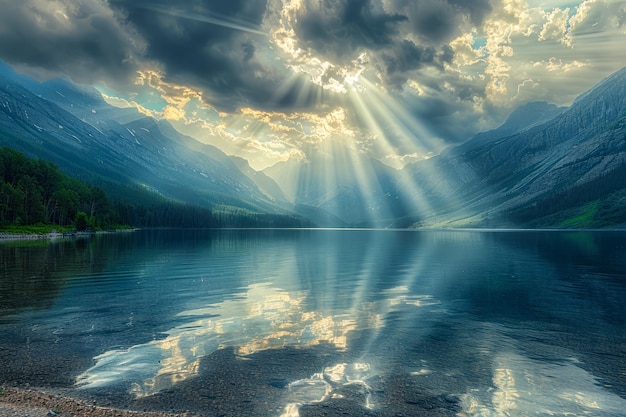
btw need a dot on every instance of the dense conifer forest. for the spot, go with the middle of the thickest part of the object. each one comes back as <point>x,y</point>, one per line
<point>36,192</point>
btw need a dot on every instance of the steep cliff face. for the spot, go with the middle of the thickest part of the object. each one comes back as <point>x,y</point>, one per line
<point>498,176</point>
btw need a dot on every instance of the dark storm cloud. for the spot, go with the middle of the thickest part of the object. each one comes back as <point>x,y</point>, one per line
<point>223,47</point>
<point>406,56</point>
<point>401,36</point>
<point>440,21</point>
<point>339,29</point>
<point>83,38</point>
<point>211,45</point>
<point>214,46</point>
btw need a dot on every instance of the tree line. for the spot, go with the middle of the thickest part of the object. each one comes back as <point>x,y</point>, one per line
<point>36,191</point>
<point>33,191</point>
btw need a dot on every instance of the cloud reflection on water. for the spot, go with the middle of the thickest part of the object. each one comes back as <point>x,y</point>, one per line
<point>523,386</point>
<point>259,318</point>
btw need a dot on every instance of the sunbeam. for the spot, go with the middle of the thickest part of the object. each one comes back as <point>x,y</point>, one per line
<point>398,124</point>
<point>206,17</point>
<point>366,114</point>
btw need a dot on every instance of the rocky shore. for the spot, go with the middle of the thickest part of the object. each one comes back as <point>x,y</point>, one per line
<point>16,402</point>
<point>27,236</point>
<point>56,235</point>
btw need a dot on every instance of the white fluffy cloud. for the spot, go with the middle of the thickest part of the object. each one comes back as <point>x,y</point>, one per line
<point>544,53</point>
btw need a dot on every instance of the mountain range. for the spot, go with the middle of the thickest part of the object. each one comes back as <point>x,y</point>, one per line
<point>564,171</point>
<point>545,166</point>
<point>73,127</point>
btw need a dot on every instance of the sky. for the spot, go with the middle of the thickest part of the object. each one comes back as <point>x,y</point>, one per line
<point>273,80</point>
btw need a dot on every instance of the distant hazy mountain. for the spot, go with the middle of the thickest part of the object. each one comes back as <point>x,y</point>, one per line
<point>345,184</point>
<point>265,184</point>
<point>524,117</point>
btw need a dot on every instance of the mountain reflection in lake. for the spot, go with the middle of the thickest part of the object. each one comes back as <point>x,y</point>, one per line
<point>300,322</point>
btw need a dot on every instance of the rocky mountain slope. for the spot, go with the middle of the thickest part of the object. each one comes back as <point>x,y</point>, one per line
<point>522,179</point>
<point>76,129</point>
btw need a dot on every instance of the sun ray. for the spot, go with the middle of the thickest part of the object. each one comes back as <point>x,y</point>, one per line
<point>379,113</point>
<point>367,114</point>
<point>206,17</point>
<point>407,129</point>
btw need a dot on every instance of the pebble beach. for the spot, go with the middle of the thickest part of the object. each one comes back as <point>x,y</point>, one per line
<point>16,402</point>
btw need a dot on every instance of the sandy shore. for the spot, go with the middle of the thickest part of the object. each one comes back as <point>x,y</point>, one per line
<point>15,402</point>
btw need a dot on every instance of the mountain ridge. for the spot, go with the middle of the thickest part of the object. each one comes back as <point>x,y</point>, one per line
<point>577,146</point>
<point>510,176</point>
<point>75,135</point>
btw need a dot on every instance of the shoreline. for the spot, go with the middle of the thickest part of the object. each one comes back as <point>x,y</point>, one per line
<point>34,402</point>
<point>4,237</point>
<point>7,237</point>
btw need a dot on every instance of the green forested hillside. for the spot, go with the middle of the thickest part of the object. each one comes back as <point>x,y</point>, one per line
<point>36,192</point>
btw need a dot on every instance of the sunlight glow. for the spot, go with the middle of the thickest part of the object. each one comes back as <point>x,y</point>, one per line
<point>393,128</point>
<point>320,386</point>
<point>388,132</point>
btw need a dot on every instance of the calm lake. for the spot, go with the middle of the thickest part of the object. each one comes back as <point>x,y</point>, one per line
<point>314,322</point>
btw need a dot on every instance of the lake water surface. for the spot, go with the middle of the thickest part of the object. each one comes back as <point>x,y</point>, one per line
<point>313,322</point>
